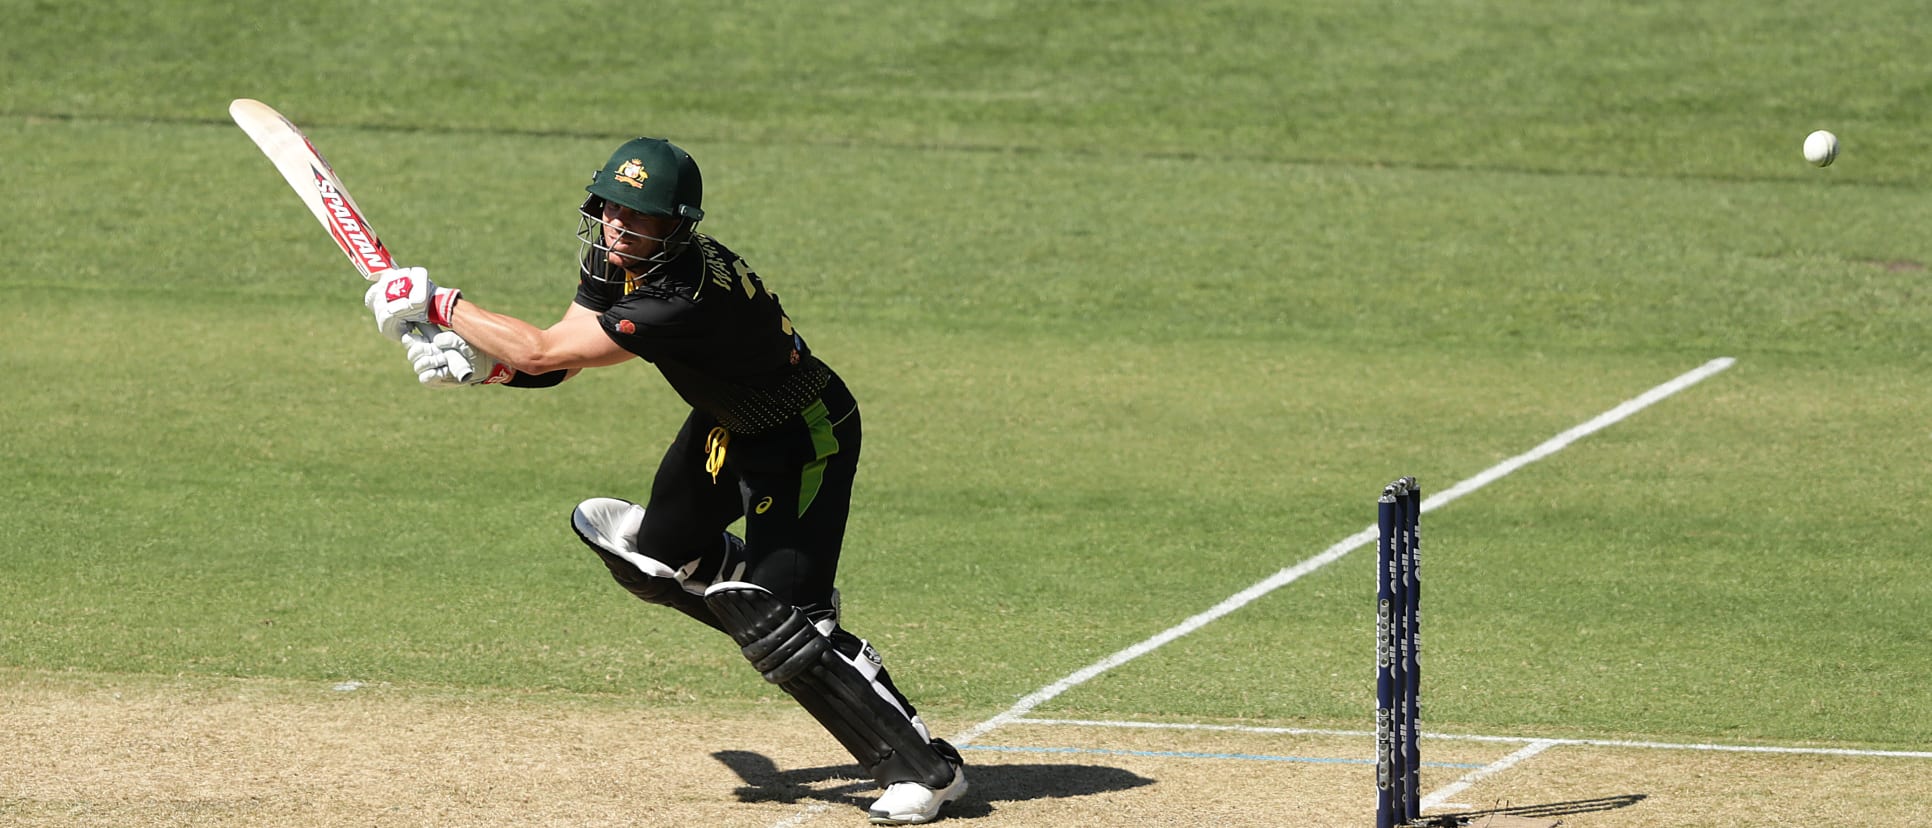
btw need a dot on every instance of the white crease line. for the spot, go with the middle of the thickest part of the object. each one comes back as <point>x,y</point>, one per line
<point>1346,545</point>
<point>1515,740</point>
<point>1907,754</point>
<point>1562,441</point>
<point>810,813</point>
<point>1436,799</point>
<point>1326,557</point>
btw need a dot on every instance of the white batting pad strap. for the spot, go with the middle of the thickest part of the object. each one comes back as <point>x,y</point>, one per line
<point>920,725</point>
<point>868,661</point>
<point>830,620</point>
<point>723,585</point>
<point>612,524</point>
<point>869,664</point>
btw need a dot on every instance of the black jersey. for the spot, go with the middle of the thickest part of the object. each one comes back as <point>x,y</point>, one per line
<point>718,336</point>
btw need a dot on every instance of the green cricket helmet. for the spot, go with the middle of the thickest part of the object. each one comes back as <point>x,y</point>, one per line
<point>654,177</point>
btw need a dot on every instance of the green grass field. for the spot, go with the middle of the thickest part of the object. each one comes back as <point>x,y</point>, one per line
<point>1144,302</point>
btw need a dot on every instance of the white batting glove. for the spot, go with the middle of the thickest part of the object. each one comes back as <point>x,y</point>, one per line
<point>406,296</point>
<point>443,359</point>
<point>432,364</point>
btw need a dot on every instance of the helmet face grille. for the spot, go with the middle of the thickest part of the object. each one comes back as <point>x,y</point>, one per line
<point>594,254</point>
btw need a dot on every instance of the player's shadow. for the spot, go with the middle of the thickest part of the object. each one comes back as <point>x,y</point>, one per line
<point>764,782</point>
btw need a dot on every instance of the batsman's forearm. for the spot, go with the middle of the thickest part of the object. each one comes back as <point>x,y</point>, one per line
<point>525,347</point>
<point>515,342</point>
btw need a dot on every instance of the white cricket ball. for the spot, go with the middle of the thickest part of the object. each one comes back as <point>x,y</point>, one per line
<point>1821,148</point>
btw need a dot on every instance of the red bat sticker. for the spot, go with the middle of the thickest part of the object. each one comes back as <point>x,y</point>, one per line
<point>346,225</point>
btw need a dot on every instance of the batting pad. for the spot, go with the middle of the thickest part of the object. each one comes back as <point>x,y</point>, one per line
<point>789,651</point>
<point>612,525</point>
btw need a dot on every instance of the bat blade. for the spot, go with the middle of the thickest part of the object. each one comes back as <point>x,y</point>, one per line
<point>321,190</point>
<point>315,182</point>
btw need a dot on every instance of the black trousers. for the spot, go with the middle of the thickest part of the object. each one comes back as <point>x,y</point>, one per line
<point>791,484</point>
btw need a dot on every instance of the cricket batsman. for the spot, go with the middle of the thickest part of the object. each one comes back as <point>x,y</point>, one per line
<point>773,438</point>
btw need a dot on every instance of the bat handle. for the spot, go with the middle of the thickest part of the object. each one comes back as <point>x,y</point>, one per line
<point>459,367</point>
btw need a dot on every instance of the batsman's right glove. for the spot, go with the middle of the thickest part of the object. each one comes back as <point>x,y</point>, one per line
<point>444,359</point>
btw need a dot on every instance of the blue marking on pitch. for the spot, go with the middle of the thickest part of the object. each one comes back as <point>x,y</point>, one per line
<point>1181,754</point>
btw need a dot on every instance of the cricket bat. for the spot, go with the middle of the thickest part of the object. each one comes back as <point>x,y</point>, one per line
<point>321,190</point>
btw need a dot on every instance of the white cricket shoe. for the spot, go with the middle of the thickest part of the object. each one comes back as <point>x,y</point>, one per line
<point>910,803</point>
